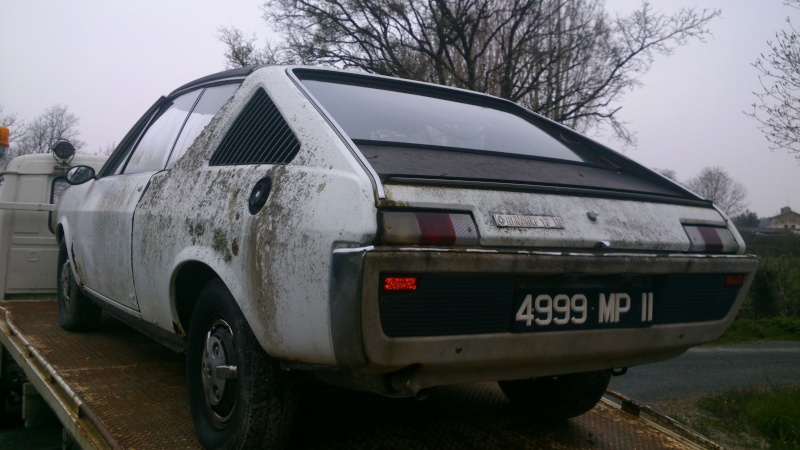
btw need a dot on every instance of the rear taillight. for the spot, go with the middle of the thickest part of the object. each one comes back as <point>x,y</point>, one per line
<point>734,280</point>
<point>710,239</point>
<point>428,228</point>
<point>400,284</point>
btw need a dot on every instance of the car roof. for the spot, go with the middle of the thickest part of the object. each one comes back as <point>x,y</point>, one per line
<point>226,75</point>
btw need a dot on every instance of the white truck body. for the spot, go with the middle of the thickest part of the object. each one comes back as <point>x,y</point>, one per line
<point>28,249</point>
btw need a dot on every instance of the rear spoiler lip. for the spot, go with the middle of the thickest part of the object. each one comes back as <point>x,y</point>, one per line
<point>548,189</point>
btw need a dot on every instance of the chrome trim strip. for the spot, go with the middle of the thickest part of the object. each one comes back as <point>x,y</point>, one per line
<point>134,319</point>
<point>111,303</point>
<point>346,278</point>
<point>528,221</point>
<point>368,248</point>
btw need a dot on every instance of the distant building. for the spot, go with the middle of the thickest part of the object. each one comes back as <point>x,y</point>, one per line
<point>787,221</point>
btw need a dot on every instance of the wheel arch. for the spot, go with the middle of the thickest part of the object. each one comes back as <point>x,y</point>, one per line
<point>61,242</point>
<point>187,282</point>
<point>59,233</point>
<point>63,234</point>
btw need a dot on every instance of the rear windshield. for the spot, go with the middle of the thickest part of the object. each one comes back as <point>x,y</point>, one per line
<point>417,133</point>
<point>405,118</point>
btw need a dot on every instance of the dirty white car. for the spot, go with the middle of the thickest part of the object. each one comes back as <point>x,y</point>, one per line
<point>389,236</point>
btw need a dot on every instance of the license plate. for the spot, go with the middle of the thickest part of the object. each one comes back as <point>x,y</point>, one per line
<point>580,309</point>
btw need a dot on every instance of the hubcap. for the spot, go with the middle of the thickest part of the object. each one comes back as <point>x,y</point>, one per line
<point>217,365</point>
<point>65,285</point>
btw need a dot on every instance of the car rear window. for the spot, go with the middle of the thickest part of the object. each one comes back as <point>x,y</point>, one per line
<point>426,134</point>
<point>391,116</point>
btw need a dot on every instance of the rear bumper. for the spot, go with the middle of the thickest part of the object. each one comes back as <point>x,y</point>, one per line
<point>411,363</point>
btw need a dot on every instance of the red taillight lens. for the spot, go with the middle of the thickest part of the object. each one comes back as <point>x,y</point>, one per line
<point>704,239</point>
<point>435,229</point>
<point>398,284</point>
<point>428,228</point>
<point>734,280</point>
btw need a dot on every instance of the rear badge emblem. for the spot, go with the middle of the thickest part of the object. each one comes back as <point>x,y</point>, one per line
<point>519,221</point>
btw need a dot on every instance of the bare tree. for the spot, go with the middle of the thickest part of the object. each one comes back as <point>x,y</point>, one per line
<point>714,183</point>
<point>16,127</point>
<point>567,60</point>
<point>777,106</point>
<point>669,173</point>
<point>53,124</point>
<point>241,51</point>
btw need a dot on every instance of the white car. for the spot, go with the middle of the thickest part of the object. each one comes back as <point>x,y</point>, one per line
<point>389,236</point>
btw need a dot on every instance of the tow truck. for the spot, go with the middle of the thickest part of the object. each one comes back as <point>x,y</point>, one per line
<point>114,388</point>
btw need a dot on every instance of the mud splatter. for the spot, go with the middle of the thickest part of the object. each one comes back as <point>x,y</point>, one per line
<point>220,244</point>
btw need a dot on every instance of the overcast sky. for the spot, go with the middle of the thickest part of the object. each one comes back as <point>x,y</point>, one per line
<point>109,61</point>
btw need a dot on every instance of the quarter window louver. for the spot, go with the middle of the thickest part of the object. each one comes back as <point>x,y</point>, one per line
<point>259,135</point>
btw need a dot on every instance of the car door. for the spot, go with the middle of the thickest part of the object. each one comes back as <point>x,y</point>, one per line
<point>102,248</point>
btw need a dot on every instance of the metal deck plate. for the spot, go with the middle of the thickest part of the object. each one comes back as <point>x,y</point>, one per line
<point>137,388</point>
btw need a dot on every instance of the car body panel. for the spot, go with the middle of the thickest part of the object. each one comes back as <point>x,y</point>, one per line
<point>105,218</point>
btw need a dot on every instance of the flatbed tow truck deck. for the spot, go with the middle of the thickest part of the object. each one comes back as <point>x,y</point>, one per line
<point>114,388</point>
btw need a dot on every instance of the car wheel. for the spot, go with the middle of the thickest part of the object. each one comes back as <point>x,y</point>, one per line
<point>558,397</point>
<point>76,312</point>
<point>239,396</point>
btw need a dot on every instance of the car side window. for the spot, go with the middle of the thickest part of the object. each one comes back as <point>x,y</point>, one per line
<point>209,104</point>
<point>154,147</point>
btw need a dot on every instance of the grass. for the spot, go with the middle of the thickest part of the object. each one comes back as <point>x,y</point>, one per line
<point>745,415</point>
<point>769,328</point>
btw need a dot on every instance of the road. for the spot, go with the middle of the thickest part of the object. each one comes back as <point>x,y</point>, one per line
<point>706,370</point>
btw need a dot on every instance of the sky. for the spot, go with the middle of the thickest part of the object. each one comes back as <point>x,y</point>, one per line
<point>109,61</point>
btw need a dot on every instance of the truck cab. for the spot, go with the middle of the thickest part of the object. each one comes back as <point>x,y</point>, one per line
<point>29,187</point>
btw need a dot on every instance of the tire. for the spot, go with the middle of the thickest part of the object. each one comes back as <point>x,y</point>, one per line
<point>253,408</point>
<point>559,397</point>
<point>76,312</point>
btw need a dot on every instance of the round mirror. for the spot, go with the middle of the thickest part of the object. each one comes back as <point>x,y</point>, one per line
<point>80,175</point>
